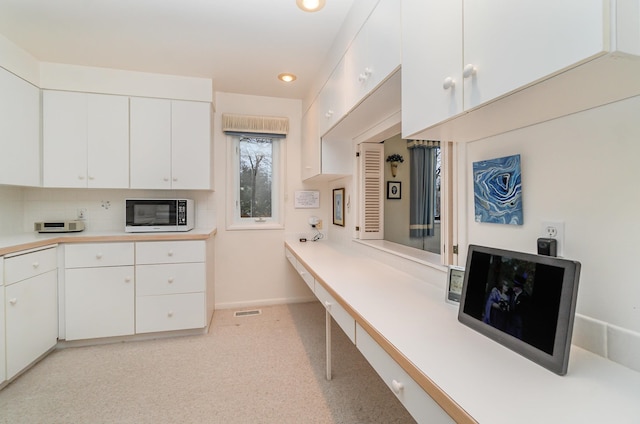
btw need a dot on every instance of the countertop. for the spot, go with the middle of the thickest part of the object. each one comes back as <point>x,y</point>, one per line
<point>18,242</point>
<point>473,376</point>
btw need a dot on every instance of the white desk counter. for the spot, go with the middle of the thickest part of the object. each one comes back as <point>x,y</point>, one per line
<point>473,378</point>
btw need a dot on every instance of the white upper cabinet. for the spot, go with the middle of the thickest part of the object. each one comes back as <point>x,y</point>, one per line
<point>459,56</point>
<point>431,62</point>
<point>19,131</point>
<point>310,147</point>
<point>150,143</point>
<point>514,43</point>
<point>85,140</point>
<point>331,100</point>
<point>375,52</point>
<point>170,144</point>
<point>190,145</point>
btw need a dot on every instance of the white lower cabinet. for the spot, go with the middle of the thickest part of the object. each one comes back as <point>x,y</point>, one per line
<point>339,314</point>
<point>171,281</point>
<point>419,404</point>
<point>99,302</point>
<point>30,306</point>
<point>99,290</point>
<point>3,367</point>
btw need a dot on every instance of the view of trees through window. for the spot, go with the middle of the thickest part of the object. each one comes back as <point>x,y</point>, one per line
<point>256,176</point>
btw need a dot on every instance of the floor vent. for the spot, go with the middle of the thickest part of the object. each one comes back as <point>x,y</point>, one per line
<point>248,313</point>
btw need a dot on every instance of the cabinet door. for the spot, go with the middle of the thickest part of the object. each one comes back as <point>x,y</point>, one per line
<point>31,308</point>
<point>3,368</point>
<point>19,131</point>
<point>431,63</point>
<point>64,132</point>
<point>310,149</point>
<point>513,44</point>
<point>150,143</point>
<point>331,101</point>
<point>108,141</point>
<point>190,145</point>
<point>383,42</point>
<point>99,302</point>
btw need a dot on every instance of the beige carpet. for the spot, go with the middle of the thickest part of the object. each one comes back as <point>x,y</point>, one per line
<point>268,368</point>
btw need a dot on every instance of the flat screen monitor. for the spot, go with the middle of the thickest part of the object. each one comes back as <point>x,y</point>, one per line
<point>523,301</point>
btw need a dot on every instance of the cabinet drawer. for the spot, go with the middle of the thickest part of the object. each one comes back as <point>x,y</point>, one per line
<point>291,258</point>
<point>23,266</point>
<point>170,279</point>
<point>419,404</point>
<point>87,255</point>
<point>170,252</point>
<point>170,312</point>
<point>306,276</point>
<point>339,314</point>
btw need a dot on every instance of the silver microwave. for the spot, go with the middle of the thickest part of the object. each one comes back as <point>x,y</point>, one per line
<point>156,215</point>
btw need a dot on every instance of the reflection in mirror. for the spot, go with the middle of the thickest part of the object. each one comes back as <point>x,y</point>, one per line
<point>412,201</point>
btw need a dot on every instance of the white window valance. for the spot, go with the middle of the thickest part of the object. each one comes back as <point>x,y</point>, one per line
<point>239,124</point>
<point>411,144</point>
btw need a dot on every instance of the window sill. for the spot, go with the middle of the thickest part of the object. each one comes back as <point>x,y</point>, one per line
<point>416,255</point>
<point>255,226</point>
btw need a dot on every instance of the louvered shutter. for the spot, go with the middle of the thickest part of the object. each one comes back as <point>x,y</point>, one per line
<point>371,189</point>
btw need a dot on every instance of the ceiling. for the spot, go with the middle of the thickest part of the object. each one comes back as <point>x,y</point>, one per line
<point>241,44</point>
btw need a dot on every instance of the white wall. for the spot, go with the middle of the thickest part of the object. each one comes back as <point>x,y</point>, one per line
<point>581,170</point>
<point>251,268</point>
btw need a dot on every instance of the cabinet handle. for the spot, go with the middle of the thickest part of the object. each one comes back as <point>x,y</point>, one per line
<point>170,253</point>
<point>36,264</point>
<point>13,301</point>
<point>127,279</point>
<point>397,386</point>
<point>448,83</point>
<point>165,179</point>
<point>81,177</point>
<point>170,280</point>
<point>469,71</point>
<point>170,314</point>
<point>329,114</point>
<point>98,255</point>
<point>175,179</point>
<point>91,177</point>
<point>327,304</point>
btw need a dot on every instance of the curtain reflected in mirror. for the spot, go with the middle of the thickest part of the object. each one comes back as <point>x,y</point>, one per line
<point>412,212</point>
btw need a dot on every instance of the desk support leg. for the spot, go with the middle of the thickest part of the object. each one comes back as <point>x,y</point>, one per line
<point>328,343</point>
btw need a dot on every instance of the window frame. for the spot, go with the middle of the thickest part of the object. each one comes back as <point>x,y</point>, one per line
<point>233,220</point>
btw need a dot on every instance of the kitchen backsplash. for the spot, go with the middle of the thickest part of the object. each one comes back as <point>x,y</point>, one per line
<point>103,209</point>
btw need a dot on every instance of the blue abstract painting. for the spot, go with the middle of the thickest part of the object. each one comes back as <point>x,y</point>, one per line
<point>497,190</point>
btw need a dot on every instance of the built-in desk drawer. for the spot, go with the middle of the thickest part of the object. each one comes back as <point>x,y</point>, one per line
<point>419,404</point>
<point>339,314</point>
<point>306,276</point>
<point>291,258</point>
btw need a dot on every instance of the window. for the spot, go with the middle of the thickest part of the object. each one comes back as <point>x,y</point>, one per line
<point>255,172</point>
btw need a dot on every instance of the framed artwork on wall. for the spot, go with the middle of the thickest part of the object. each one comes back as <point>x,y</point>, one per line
<point>497,190</point>
<point>394,190</point>
<point>338,206</point>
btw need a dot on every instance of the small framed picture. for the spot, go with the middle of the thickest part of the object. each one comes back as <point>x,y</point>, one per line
<point>455,277</point>
<point>338,206</point>
<point>394,190</point>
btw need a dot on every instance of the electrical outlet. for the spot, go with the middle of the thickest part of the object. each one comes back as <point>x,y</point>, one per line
<point>554,230</point>
<point>82,213</point>
<point>319,225</point>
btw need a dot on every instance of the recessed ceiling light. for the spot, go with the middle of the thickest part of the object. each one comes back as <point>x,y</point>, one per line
<point>286,77</point>
<point>310,5</point>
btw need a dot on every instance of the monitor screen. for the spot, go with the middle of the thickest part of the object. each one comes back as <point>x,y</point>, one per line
<point>524,301</point>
